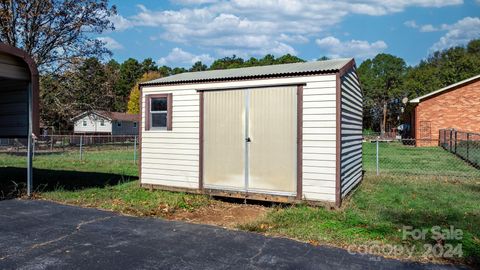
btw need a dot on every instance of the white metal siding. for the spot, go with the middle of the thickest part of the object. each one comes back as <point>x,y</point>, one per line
<point>171,158</point>
<point>351,146</point>
<point>319,139</point>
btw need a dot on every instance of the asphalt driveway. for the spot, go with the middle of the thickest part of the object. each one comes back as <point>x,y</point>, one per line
<point>45,235</point>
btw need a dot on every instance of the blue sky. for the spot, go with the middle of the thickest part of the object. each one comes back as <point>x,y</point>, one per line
<point>178,33</point>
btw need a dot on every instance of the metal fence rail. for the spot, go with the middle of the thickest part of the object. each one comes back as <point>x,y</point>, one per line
<point>465,145</point>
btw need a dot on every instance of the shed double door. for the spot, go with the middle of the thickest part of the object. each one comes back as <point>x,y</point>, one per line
<point>250,140</point>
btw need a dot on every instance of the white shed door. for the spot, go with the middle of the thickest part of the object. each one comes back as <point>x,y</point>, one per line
<point>250,140</point>
<point>224,139</point>
<point>273,139</point>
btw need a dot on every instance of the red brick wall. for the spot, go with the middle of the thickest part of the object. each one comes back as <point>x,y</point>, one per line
<point>458,108</point>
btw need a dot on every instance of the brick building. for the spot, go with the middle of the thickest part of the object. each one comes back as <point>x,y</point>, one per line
<point>456,106</point>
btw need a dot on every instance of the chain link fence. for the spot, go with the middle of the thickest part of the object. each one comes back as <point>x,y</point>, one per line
<point>67,162</point>
<point>454,156</point>
<point>465,145</point>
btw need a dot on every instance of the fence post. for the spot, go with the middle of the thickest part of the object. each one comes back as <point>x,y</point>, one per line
<point>450,143</point>
<point>378,172</point>
<point>456,132</point>
<point>135,150</point>
<point>81,142</point>
<point>468,144</point>
<point>444,139</point>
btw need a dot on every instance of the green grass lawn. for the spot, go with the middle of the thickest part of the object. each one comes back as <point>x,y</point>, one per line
<point>376,211</point>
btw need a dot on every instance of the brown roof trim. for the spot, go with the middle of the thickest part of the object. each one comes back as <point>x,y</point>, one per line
<point>246,78</point>
<point>34,79</point>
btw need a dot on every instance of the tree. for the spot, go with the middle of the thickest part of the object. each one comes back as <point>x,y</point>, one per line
<point>85,85</point>
<point>54,32</point>
<point>134,98</point>
<point>381,79</point>
<point>227,63</point>
<point>443,68</point>
<point>288,58</point>
<point>178,70</point>
<point>130,72</point>
<point>165,71</point>
<point>148,65</point>
<point>198,66</point>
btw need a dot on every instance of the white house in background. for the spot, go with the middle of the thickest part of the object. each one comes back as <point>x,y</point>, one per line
<point>282,133</point>
<point>103,122</point>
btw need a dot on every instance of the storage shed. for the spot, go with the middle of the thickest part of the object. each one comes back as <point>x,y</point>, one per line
<point>283,133</point>
<point>19,94</point>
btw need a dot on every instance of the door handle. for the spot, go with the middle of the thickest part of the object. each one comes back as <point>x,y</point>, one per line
<point>248,139</point>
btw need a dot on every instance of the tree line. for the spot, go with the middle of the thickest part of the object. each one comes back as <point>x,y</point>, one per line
<point>387,81</point>
<point>60,36</point>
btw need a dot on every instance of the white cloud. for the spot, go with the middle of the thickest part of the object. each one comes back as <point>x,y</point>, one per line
<point>260,26</point>
<point>428,28</point>
<point>359,48</point>
<point>120,23</point>
<point>411,24</point>
<point>110,43</point>
<point>180,57</point>
<point>458,33</point>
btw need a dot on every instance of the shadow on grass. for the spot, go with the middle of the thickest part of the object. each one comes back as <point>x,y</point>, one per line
<point>13,180</point>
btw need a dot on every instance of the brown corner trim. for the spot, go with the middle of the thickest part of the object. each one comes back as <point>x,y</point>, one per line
<point>338,142</point>
<point>140,127</point>
<point>299,142</point>
<point>200,165</point>
<point>346,68</point>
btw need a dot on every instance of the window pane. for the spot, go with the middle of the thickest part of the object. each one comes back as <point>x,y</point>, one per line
<point>159,120</point>
<point>159,104</point>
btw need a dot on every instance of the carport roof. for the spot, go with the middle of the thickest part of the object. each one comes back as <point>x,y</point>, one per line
<point>294,69</point>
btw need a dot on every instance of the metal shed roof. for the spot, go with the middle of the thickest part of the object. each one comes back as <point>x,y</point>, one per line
<point>467,81</point>
<point>295,69</point>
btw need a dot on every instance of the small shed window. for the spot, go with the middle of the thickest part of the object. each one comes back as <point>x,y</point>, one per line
<point>102,122</point>
<point>159,112</point>
<point>84,123</point>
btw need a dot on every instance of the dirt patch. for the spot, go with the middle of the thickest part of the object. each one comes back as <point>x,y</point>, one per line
<point>224,214</point>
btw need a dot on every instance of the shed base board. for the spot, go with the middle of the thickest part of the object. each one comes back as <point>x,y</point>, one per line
<point>234,194</point>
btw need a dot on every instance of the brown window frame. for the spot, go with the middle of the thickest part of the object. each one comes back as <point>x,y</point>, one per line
<point>148,100</point>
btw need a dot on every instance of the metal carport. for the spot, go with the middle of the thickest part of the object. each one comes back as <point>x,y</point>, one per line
<point>19,94</point>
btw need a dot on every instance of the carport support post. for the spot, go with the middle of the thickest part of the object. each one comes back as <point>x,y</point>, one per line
<point>378,171</point>
<point>29,143</point>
